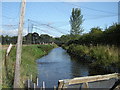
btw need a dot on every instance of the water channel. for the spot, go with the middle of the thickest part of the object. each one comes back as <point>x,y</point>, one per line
<point>59,65</point>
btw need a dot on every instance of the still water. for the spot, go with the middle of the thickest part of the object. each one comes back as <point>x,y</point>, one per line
<point>58,65</point>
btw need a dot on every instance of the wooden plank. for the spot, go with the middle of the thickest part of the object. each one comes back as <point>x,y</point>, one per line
<point>90,79</point>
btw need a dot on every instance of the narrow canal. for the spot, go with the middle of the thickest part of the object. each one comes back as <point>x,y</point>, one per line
<point>59,65</point>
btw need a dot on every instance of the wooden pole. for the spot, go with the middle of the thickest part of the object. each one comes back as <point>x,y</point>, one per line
<point>28,83</point>
<point>37,82</point>
<point>19,47</point>
<point>54,87</point>
<point>6,58</point>
<point>34,86</point>
<point>31,77</point>
<point>43,85</point>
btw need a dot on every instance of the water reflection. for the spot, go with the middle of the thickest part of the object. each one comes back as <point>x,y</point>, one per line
<point>58,65</point>
<point>78,69</point>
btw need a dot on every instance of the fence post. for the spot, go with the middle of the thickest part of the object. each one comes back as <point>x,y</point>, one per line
<point>6,58</point>
<point>85,85</point>
<point>43,85</point>
<point>31,77</point>
<point>60,84</point>
<point>37,82</point>
<point>34,86</point>
<point>28,84</point>
<point>9,49</point>
<point>54,87</point>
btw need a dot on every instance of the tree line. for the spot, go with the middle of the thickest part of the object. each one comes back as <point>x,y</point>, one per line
<point>109,36</point>
<point>30,38</point>
<point>97,35</point>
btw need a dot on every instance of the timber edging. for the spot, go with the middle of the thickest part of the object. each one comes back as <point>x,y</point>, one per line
<point>66,82</point>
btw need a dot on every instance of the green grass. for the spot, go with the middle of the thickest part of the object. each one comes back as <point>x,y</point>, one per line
<point>1,68</point>
<point>99,55</point>
<point>104,55</point>
<point>28,63</point>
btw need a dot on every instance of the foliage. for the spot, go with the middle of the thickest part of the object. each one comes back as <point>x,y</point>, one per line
<point>30,38</point>
<point>101,48</point>
<point>28,63</point>
<point>96,36</point>
<point>66,38</point>
<point>99,55</point>
<point>76,21</point>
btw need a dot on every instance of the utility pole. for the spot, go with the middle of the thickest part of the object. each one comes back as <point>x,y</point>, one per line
<point>28,25</point>
<point>119,12</point>
<point>31,38</point>
<point>19,47</point>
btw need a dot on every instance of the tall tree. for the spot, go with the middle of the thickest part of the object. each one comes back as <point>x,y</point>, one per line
<point>76,20</point>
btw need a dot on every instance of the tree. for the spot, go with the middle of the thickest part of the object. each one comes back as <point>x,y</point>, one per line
<point>95,30</point>
<point>35,38</point>
<point>28,38</point>
<point>45,38</point>
<point>76,20</point>
<point>65,38</point>
<point>96,35</point>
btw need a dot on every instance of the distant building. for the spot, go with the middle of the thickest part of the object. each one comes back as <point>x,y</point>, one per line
<point>119,12</point>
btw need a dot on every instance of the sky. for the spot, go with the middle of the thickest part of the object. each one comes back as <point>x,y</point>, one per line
<point>53,17</point>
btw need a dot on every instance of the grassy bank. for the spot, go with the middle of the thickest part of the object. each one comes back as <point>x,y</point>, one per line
<point>104,56</point>
<point>28,63</point>
<point>0,68</point>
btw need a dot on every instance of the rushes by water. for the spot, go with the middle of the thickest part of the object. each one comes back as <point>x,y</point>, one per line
<point>99,55</point>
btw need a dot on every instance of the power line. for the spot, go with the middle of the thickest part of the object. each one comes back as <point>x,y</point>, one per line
<point>9,17</point>
<point>48,31</point>
<point>42,30</point>
<point>49,26</point>
<point>56,29</point>
<point>8,11</point>
<point>101,17</point>
<point>89,8</point>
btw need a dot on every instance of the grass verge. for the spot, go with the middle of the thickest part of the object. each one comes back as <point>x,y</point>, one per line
<point>28,63</point>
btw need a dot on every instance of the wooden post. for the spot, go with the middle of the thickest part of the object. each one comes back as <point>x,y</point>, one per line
<point>6,57</point>
<point>60,84</point>
<point>54,87</point>
<point>85,85</point>
<point>37,82</point>
<point>28,83</point>
<point>43,85</point>
<point>34,86</point>
<point>31,77</point>
<point>19,47</point>
<point>9,49</point>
